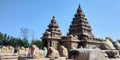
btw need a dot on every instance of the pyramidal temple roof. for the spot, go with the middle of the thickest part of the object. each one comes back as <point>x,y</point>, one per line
<point>80,25</point>
<point>53,30</point>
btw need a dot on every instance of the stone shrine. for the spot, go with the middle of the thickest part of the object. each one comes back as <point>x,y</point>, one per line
<point>79,35</point>
<point>52,35</point>
<point>79,43</point>
<point>80,28</point>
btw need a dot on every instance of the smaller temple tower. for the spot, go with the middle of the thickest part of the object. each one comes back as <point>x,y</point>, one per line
<point>52,35</point>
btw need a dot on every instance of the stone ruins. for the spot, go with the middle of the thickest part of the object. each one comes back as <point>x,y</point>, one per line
<point>79,43</point>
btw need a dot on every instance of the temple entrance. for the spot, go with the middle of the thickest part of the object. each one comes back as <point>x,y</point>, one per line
<point>82,44</point>
<point>46,43</point>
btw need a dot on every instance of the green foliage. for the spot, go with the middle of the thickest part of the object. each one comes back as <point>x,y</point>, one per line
<point>36,42</point>
<point>17,42</point>
<point>25,43</point>
<point>4,39</point>
<point>13,42</point>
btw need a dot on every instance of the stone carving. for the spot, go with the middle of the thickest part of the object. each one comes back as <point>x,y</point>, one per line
<point>7,49</point>
<point>53,53</point>
<point>112,53</point>
<point>22,52</point>
<point>11,49</point>
<point>87,54</point>
<point>36,53</point>
<point>73,38</point>
<point>40,54</point>
<point>117,45</point>
<point>63,52</point>
<point>107,44</point>
<point>4,50</point>
<point>70,41</point>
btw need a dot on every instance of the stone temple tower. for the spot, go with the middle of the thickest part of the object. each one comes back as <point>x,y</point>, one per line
<point>79,25</point>
<point>52,35</point>
<point>80,29</point>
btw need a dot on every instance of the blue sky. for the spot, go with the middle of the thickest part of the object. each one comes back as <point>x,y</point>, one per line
<point>35,15</point>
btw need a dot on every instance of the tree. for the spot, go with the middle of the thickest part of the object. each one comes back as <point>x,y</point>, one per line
<point>25,43</point>
<point>1,36</point>
<point>20,42</point>
<point>36,42</point>
<point>13,42</point>
<point>25,33</point>
<point>32,35</point>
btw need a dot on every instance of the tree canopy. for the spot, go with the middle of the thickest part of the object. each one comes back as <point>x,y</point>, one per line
<point>6,40</point>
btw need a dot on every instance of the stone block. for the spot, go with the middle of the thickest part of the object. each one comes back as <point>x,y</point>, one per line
<point>87,54</point>
<point>22,58</point>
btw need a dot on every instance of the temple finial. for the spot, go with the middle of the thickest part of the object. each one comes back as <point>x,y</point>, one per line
<point>53,17</point>
<point>79,6</point>
<point>79,10</point>
<point>53,20</point>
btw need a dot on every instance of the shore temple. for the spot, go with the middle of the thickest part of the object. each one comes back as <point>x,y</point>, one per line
<point>79,35</point>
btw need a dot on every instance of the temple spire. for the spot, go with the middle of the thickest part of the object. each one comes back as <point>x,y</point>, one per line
<point>53,23</point>
<point>52,35</point>
<point>53,17</point>
<point>80,25</point>
<point>79,6</point>
<point>79,10</point>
